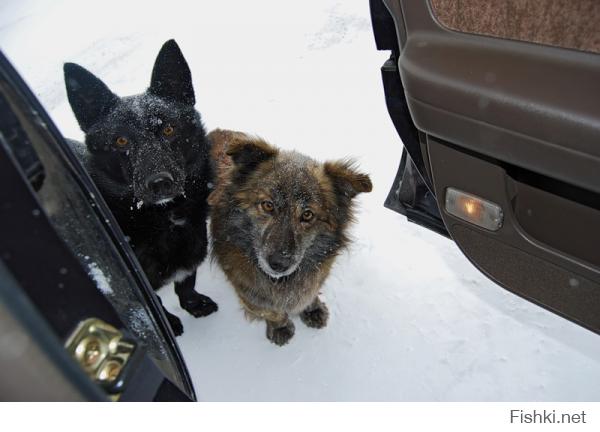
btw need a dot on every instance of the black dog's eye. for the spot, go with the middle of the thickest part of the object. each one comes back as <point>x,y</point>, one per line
<point>267,206</point>
<point>168,130</point>
<point>121,141</point>
<point>307,216</point>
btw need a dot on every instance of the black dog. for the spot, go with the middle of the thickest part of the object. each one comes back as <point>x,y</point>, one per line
<point>149,156</point>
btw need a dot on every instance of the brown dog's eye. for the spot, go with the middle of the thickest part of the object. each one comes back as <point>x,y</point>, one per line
<point>122,141</point>
<point>267,206</point>
<point>307,216</point>
<point>168,130</point>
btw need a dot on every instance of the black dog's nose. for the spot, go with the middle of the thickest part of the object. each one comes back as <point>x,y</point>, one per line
<point>160,183</point>
<point>279,262</point>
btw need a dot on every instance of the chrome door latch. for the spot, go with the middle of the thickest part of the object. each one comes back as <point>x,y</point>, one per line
<point>103,352</point>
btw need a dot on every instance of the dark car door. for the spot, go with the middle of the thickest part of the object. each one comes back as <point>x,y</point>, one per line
<point>498,107</point>
<point>82,320</point>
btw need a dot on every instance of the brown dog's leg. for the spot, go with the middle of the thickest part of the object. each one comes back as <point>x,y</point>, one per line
<point>280,328</point>
<point>280,332</point>
<point>316,315</point>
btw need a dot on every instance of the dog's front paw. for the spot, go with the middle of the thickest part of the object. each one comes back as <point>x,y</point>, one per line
<point>176,324</point>
<point>280,335</point>
<point>199,305</point>
<point>316,316</point>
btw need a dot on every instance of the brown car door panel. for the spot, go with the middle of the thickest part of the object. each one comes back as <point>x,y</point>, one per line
<point>506,102</point>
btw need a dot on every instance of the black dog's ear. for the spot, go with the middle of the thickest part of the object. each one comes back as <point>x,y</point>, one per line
<point>89,97</point>
<point>247,152</point>
<point>347,179</point>
<point>171,76</point>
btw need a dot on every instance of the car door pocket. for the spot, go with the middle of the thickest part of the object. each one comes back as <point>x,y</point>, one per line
<point>558,221</point>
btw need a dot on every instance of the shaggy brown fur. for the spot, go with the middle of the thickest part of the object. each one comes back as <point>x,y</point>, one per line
<point>278,221</point>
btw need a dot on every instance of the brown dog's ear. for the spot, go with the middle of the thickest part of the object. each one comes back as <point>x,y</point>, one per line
<point>247,152</point>
<point>347,179</point>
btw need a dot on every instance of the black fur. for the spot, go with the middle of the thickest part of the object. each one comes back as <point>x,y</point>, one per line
<point>156,184</point>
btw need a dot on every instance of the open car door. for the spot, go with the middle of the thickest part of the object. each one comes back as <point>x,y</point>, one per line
<point>77,314</point>
<point>498,107</point>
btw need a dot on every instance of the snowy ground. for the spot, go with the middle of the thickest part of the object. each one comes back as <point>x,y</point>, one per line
<point>412,319</point>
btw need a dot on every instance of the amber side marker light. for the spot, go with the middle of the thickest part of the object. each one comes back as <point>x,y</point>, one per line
<point>473,209</point>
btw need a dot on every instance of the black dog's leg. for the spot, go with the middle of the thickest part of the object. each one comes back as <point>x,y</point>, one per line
<point>195,303</point>
<point>175,322</point>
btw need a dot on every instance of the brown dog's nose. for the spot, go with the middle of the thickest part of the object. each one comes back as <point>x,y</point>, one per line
<point>279,261</point>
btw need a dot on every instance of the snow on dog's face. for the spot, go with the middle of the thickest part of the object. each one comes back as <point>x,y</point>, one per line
<point>293,210</point>
<point>144,145</point>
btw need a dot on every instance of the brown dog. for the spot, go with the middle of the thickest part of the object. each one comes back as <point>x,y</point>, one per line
<point>278,221</point>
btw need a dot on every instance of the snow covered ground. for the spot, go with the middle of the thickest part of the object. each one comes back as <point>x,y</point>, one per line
<point>411,318</point>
